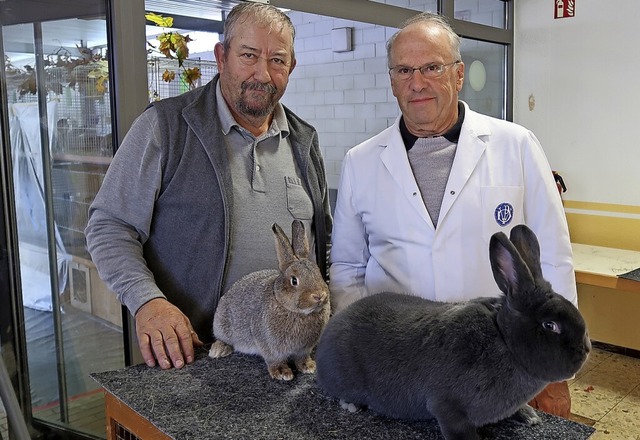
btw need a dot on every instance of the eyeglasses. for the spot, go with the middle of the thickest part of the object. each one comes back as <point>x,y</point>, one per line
<point>404,73</point>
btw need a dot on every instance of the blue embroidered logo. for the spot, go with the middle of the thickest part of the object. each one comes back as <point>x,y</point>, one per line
<point>503,214</point>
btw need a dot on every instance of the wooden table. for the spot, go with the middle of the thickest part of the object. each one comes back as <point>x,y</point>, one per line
<point>610,304</point>
<point>123,422</point>
<point>600,266</point>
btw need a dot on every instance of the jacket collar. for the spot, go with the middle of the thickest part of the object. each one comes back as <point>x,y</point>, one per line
<point>202,117</point>
<point>472,143</point>
<point>474,136</point>
<point>451,135</point>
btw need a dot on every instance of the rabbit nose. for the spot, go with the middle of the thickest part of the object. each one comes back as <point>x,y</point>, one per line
<point>319,296</point>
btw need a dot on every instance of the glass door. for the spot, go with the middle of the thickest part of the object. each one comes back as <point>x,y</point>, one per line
<point>57,136</point>
<point>58,131</point>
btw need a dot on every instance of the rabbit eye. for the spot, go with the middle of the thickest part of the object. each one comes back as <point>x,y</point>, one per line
<point>294,281</point>
<point>552,326</point>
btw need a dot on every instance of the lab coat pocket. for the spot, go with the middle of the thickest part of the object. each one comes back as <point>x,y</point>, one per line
<point>502,209</point>
<point>298,202</point>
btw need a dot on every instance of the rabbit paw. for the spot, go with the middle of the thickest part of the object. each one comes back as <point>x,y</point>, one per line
<point>281,372</point>
<point>526,415</point>
<point>307,365</point>
<point>220,349</point>
<point>349,406</point>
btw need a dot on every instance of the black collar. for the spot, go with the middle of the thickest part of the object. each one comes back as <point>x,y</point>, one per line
<point>452,135</point>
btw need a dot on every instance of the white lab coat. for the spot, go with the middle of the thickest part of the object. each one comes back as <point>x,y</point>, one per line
<point>384,240</point>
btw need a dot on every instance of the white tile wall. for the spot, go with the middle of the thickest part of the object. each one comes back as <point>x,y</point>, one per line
<point>345,95</point>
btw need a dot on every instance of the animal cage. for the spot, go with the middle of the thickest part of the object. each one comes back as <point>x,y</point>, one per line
<point>160,89</point>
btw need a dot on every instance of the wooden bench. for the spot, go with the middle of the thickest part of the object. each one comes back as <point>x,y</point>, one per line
<point>610,304</point>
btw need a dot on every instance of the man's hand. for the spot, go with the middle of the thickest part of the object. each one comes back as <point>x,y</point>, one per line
<point>554,399</point>
<point>165,334</point>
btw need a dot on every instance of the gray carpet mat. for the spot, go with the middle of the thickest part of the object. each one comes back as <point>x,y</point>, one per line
<point>234,398</point>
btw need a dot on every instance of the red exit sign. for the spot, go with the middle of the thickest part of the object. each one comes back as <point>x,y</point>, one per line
<point>565,8</point>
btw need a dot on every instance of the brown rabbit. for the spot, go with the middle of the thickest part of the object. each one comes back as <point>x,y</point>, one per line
<point>277,314</point>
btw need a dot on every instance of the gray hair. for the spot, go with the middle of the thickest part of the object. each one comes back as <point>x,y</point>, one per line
<point>430,19</point>
<point>256,14</point>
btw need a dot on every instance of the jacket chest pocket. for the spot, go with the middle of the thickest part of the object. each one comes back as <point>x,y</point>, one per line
<point>298,201</point>
<point>502,209</point>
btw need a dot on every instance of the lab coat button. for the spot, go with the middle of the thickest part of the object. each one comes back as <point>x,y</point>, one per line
<point>452,192</point>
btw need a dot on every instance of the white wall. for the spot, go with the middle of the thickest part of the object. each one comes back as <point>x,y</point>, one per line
<point>583,73</point>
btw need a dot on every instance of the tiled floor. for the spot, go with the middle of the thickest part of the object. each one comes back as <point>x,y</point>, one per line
<point>605,394</point>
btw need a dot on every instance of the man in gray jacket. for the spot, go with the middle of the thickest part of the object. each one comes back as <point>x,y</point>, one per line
<point>186,206</point>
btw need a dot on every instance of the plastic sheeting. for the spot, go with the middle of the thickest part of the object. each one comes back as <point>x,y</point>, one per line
<point>28,178</point>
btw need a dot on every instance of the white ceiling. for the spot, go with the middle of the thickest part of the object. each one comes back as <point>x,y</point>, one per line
<point>209,9</point>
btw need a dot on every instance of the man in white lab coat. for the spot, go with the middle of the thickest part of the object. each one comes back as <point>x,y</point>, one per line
<point>418,203</point>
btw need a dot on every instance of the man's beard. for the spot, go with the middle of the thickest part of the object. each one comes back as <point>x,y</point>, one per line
<point>261,109</point>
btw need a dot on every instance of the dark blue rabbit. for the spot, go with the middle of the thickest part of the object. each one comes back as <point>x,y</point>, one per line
<point>465,364</point>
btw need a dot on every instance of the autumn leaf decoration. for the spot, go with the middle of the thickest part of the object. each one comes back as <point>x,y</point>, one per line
<point>100,73</point>
<point>174,45</point>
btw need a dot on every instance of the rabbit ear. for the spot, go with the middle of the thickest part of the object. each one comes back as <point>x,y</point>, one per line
<point>528,247</point>
<point>283,247</point>
<point>299,238</point>
<point>509,269</point>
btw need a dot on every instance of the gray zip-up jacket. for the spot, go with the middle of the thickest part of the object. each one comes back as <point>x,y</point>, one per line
<point>160,223</point>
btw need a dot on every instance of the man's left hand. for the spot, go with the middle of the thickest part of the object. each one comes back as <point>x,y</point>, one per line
<point>554,399</point>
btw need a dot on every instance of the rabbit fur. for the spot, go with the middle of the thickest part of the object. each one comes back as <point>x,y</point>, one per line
<point>465,364</point>
<point>277,314</point>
